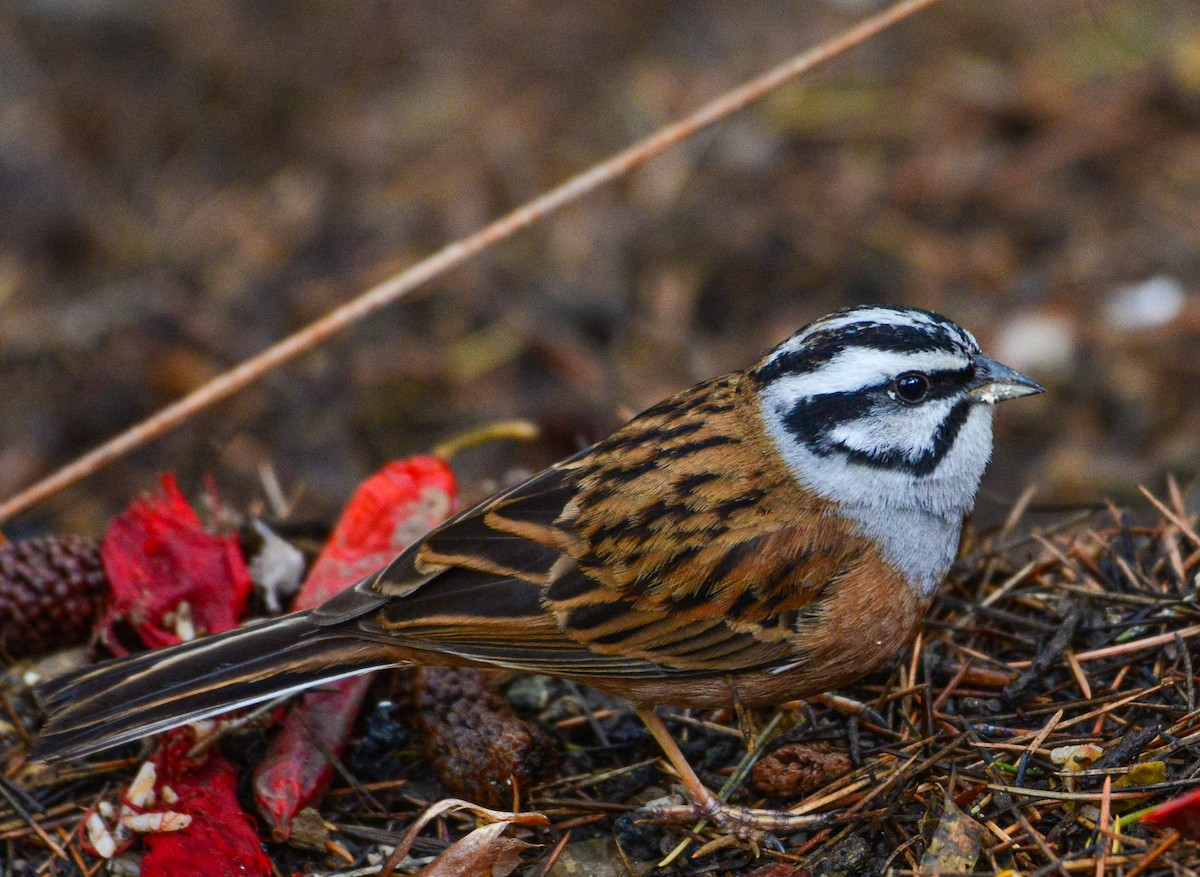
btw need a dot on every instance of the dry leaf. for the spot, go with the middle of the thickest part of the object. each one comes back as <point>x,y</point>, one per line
<point>956,843</point>
<point>485,852</point>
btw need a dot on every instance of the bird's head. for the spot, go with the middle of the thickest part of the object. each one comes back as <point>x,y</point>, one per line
<point>880,409</point>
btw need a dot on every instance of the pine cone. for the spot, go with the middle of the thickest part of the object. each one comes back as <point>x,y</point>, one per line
<point>478,746</point>
<point>796,769</point>
<point>51,590</point>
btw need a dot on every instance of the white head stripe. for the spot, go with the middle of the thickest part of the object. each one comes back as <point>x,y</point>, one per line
<point>865,316</point>
<point>858,367</point>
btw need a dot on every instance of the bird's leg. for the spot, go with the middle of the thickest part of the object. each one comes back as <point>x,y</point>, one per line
<point>741,821</point>
<point>708,803</point>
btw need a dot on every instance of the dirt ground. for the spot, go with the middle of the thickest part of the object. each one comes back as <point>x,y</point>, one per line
<point>183,184</point>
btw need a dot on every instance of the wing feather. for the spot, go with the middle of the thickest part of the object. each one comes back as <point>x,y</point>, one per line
<point>646,555</point>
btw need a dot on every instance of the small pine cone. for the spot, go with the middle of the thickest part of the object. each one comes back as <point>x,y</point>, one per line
<point>478,746</point>
<point>51,590</point>
<point>796,769</point>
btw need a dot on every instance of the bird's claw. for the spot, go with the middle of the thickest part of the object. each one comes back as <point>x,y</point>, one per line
<point>744,823</point>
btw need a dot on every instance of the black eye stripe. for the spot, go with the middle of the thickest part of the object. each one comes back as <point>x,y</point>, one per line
<point>812,421</point>
<point>929,459</point>
<point>945,383</point>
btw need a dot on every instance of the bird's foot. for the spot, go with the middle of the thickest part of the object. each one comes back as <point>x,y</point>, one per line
<point>744,823</point>
<point>741,822</point>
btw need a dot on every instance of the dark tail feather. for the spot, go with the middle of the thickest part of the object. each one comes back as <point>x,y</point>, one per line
<point>121,700</point>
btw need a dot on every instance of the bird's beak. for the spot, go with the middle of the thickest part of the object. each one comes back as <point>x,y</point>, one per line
<point>995,382</point>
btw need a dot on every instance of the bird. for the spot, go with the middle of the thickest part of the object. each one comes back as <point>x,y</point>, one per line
<point>768,534</point>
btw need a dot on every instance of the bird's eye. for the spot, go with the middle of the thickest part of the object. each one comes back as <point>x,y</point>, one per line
<point>912,387</point>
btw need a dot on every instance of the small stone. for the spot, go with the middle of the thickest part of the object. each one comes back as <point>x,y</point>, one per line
<point>377,756</point>
<point>531,694</point>
<point>850,858</point>
<point>1038,342</point>
<point>596,857</point>
<point>978,706</point>
<point>1146,305</point>
<point>638,840</point>
<point>125,865</point>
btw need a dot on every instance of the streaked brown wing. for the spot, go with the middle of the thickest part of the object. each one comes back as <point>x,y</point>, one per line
<point>644,555</point>
<point>701,551</point>
<point>733,603</point>
<point>473,588</point>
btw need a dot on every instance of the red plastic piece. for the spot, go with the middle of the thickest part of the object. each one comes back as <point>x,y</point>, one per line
<point>1181,813</point>
<point>168,573</point>
<point>389,511</point>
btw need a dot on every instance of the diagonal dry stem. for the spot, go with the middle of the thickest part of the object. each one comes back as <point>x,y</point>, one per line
<point>453,255</point>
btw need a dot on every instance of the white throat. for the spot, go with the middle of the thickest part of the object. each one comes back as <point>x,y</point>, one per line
<point>916,520</point>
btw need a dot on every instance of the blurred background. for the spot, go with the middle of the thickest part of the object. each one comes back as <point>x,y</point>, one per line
<point>183,184</point>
